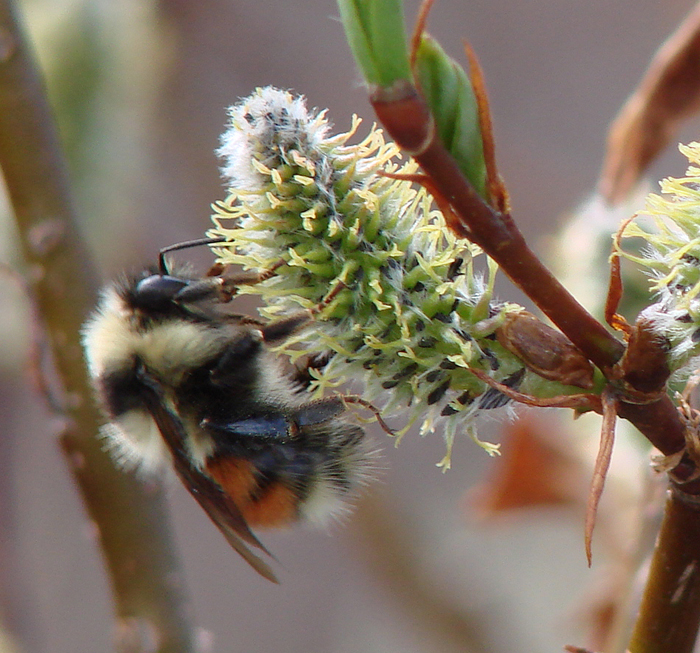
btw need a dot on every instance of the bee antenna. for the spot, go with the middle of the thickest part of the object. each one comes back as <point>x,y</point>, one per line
<point>162,264</point>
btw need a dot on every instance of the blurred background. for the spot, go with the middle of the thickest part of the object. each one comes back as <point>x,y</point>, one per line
<point>141,90</point>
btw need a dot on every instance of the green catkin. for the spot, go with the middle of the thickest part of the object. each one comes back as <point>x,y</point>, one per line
<point>672,258</point>
<point>410,314</point>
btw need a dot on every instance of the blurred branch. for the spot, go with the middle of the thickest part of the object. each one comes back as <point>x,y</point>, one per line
<point>667,94</point>
<point>130,518</point>
<point>391,553</point>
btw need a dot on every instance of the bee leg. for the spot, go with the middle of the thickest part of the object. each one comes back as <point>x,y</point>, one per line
<point>236,358</point>
<point>322,410</point>
<point>229,285</point>
<point>302,367</point>
<point>272,428</point>
<point>280,330</point>
<point>356,399</point>
<point>221,288</point>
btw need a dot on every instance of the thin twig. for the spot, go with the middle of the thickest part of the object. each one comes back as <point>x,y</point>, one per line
<point>130,518</point>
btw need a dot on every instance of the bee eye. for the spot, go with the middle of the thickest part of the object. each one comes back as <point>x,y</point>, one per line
<point>157,291</point>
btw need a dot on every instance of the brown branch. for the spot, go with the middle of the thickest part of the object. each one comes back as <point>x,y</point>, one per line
<point>670,611</point>
<point>407,118</point>
<point>129,517</point>
<point>668,93</point>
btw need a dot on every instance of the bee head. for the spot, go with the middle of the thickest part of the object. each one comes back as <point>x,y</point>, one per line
<point>161,292</point>
<point>157,292</point>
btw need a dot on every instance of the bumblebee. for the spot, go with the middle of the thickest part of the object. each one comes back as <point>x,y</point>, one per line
<point>181,379</point>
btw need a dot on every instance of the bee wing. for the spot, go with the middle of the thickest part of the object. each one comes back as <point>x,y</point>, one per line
<point>240,546</point>
<point>209,494</point>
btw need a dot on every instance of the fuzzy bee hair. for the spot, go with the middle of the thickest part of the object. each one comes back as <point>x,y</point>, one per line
<point>181,380</point>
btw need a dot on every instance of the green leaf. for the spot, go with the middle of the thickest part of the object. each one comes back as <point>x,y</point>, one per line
<point>449,93</point>
<point>377,38</point>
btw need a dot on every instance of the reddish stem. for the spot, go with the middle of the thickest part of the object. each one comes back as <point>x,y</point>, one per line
<point>400,112</point>
<point>406,117</point>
